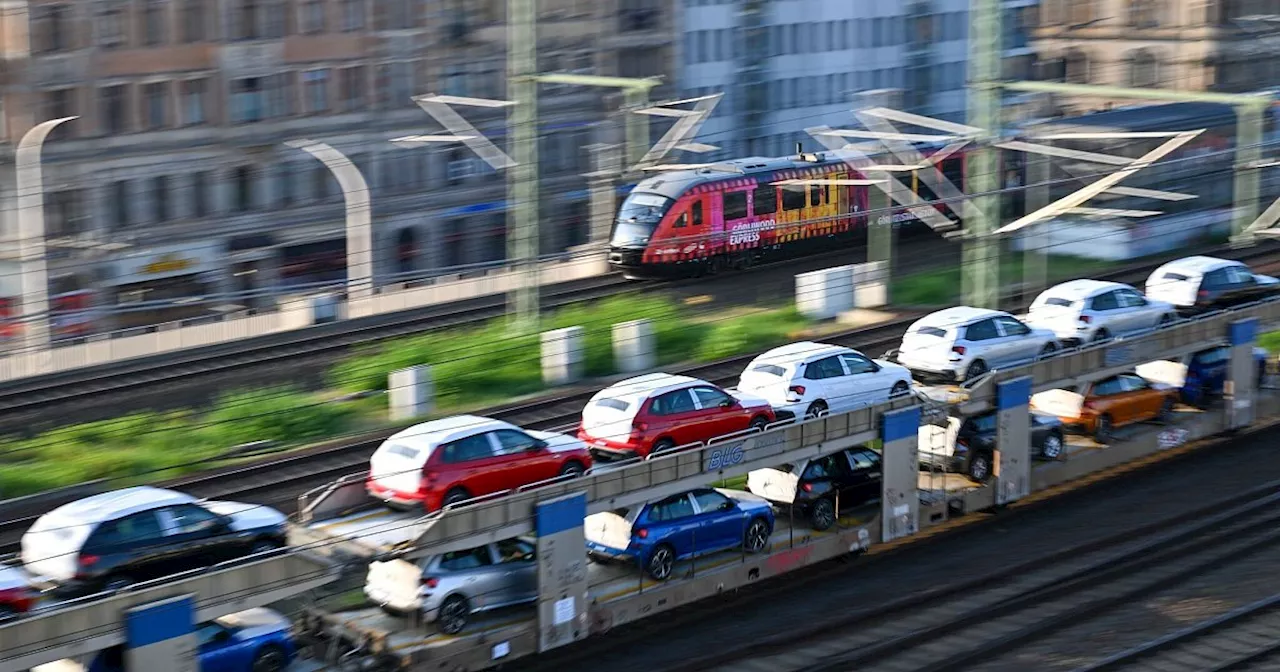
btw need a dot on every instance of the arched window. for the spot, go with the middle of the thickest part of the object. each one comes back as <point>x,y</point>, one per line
<point>1077,67</point>
<point>1142,13</point>
<point>1142,70</point>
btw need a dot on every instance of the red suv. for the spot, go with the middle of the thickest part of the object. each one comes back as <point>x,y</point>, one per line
<point>660,411</point>
<point>447,461</point>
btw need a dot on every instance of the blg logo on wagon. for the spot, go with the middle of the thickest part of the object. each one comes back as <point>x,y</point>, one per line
<point>721,456</point>
<point>749,232</point>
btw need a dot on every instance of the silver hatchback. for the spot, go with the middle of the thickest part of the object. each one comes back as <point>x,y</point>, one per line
<point>448,588</point>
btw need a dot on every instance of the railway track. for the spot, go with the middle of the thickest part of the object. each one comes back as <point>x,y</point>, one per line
<point>971,621</point>
<point>277,481</point>
<point>1247,638</point>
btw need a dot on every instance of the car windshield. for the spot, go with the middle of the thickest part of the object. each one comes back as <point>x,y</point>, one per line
<point>1177,277</point>
<point>1065,303</point>
<point>771,369</point>
<point>930,331</point>
<point>638,219</point>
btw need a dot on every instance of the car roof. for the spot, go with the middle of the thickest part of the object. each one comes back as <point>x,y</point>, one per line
<point>444,430</point>
<point>648,385</point>
<point>802,351</point>
<point>1083,288</point>
<point>1198,265</point>
<point>956,317</point>
<point>118,503</point>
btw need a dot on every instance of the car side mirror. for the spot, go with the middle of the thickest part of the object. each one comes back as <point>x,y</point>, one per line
<point>726,506</point>
<point>538,444</point>
<point>728,403</point>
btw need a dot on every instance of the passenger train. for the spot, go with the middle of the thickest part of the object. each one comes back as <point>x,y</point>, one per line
<point>733,214</point>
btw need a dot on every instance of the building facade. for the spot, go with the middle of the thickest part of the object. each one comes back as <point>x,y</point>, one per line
<point>1191,45</point>
<point>785,65</point>
<point>178,157</point>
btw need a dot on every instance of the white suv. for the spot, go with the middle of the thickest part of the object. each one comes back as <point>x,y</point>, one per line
<point>1081,311</point>
<point>962,343</point>
<point>807,379</point>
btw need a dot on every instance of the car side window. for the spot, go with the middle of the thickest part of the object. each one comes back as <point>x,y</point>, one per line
<point>208,633</point>
<point>472,558</point>
<point>985,423</point>
<point>1215,279</point>
<point>1237,275</point>
<point>1107,387</point>
<point>983,330</point>
<point>671,403</point>
<point>511,442</point>
<point>475,447</point>
<point>827,367</point>
<point>1106,301</point>
<point>187,519</point>
<point>827,466</point>
<point>710,397</point>
<point>671,508</point>
<point>1134,383</point>
<point>710,500</point>
<point>857,364</point>
<point>863,459</point>
<point>138,528</point>
<point>1131,299</point>
<point>514,550</point>
<point>1011,327</point>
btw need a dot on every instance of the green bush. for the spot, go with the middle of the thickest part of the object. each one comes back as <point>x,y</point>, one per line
<point>747,334</point>
<point>279,414</point>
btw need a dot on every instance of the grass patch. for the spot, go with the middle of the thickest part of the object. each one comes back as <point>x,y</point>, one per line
<point>1270,341</point>
<point>942,287</point>
<point>472,367</point>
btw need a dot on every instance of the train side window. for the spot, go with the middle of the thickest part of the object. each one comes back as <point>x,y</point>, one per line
<point>696,211</point>
<point>682,221</point>
<point>766,200</point>
<point>735,205</point>
<point>815,195</point>
<point>792,198</point>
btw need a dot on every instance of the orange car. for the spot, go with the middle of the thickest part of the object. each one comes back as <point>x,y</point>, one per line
<point>1108,403</point>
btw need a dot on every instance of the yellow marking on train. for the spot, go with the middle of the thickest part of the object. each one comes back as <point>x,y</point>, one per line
<point>698,300</point>
<point>358,519</point>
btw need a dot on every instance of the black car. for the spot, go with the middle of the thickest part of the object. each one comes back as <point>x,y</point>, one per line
<point>112,540</point>
<point>817,487</point>
<point>973,452</point>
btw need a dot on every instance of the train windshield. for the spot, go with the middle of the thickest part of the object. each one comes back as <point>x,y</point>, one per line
<point>638,219</point>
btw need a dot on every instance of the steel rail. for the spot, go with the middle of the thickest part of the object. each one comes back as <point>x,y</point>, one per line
<point>276,481</point>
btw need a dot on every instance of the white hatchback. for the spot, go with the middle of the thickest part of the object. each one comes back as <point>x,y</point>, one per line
<point>962,343</point>
<point>1081,311</point>
<point>807,379</point>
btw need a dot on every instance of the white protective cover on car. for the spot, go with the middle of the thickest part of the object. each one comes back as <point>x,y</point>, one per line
<point>398,466</point>
<point>775,485</point>
<point>1061,403</point>
<point>1165,372</point>
<point>395,583</point>
<point>51,547</point>
<point>937,440</point>
<point>607,529</point>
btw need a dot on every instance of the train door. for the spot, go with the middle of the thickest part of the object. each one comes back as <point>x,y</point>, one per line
<point>794,198</point>
<point>699,226</point>
<point>736,211</point>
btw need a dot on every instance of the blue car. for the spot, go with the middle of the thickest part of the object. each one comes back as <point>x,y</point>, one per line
<point>1199,376</point>
<point>659,534</point>
<point>255,640</point>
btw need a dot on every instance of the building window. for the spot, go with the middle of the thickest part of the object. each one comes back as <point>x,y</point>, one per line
<point>193,21</point>
<point>352,15</point>
<point>200,194</point>
<point>246,100</point>
<point>279,95</point>
<point>157,103</point>
<point>1142,13</point>
<point>153,23</point>
<point>401,84</point>
<point>459,168</point>
<point>120,203</point>
<point>277,20</point>
<point>113,106</point>
<point>244,189</point>
<point>160,197</point>
<point>246,20</point>
<point>316,85</point>
<point>284,183</point>
<point>1142,70</point>
<point>49,29</point>
<point>454,81</point>
<point>111,28</point>
<point>1077,67</point>
<point>320,177</point>
<point>57,104</point>
<point>193,100</point>
<point>313,19</point>
<point>351,81</point>
<point>62,213</point>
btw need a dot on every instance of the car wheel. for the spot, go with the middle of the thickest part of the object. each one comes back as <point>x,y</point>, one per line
<point>1165,320</point>
<point>759,422</point>
<point>662,446</point>
<point>454,614</point>
<point>757,537</point>
<point>1101,335</point>
<point>1048,350</point>
<point>1166,411</point>
<point>7,613</point>
<point>1102,433</point>
<point>1051,449</point>
<point>118,583</point>
<point>456,496</point>
<point>572,469</point>
<point>816,410</point>
<point>900,388</point>
<point>269,658</point>
<point>661,562</point>
<point>976,368</point>
<point>980,467</point>
<point>823,514</point>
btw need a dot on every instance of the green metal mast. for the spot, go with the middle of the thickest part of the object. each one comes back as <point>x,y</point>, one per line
<point>980,273</point>
<point>522,181</point>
